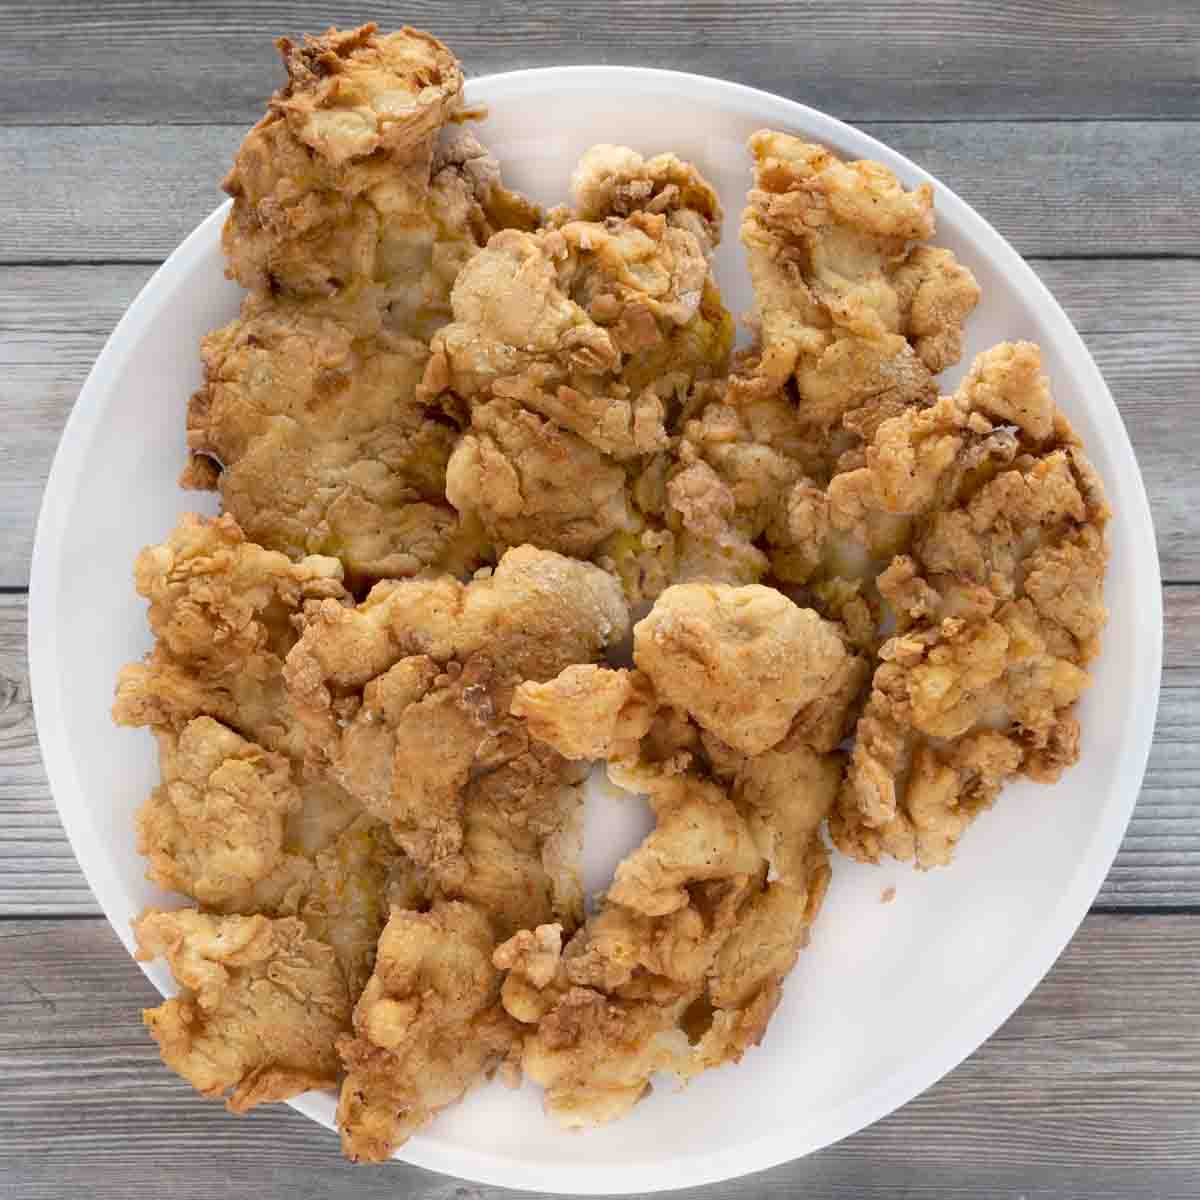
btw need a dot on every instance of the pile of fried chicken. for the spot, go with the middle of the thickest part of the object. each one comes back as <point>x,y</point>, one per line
<point>460,443</point>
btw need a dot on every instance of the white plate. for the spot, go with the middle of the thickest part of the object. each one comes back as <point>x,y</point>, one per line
<point>888,997</point>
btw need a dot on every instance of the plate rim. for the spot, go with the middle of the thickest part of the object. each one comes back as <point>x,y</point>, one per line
<point>964,1035</point>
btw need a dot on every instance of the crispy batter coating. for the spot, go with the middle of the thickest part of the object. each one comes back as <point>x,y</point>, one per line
<point>998,609</point>
<point>573,349</point>
<point>846,309</point>
<point>597,326</point>
<point>523,479</point>
<point>743,662</point>
<point>406,701</point>
<point>311,408</point>
<point>354,209</point>
<point>427,1027</point>
<point>331,185</point>
<point>588,711</point>
<point>215,826</point>
<point>683,966</point>
<point>240,822</point>
<point>260,1005</point>
<point>614,181</point>
<point>224,614</point>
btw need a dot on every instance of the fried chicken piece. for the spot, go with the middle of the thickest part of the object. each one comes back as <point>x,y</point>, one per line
<point>681,990</point>
<point>345,179</point>
<point>311,408</point>
<point>215,825</point>
<point>406,701</point>
<point>851,322</point>
<point>427,1027</point>
<point>223,611</point>
<point>599,327</point>
<point>606,1014</point>
<point>355,208</point>
<point>743,662</point>
<point>260,1007</point>
<point>573,349</point>
<point>240,822</point>
<point>683,965</point>
<point>998,609</point>
<point>846,309</point>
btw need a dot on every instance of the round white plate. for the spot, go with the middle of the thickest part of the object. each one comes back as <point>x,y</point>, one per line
<point>889,996</point>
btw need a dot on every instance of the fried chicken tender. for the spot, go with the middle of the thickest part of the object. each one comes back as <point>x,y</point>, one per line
<point>682,967</point>
<point>847,309</point>
<point>573,348</point>
<point>355,207</point>
<point>743,662</point>
<point>240,822</point>
<point>215,826</point>
<point>852,321</point>
<point>259,1009</point>
<point>334,183</point>
<point>606,1013</point>
<point>311,408</point>
<point>406,701</point>
<point>998,609</point>
<point>427,1027</point>
<point>223,611</point>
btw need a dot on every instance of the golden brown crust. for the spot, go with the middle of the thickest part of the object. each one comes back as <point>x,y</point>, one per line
<point>260,1007</point>
<point>683,964</point>
<point>743,662</point>
<point>427,1027</point>
<point>999,608</point>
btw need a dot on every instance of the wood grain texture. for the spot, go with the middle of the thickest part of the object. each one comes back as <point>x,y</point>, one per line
<point>120,63</point>
<point>1053,189</point>
<point>1087,1091</point>
<point>53,323</point>
<point>1158,865</point>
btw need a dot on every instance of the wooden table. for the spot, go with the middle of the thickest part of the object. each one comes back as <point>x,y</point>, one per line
<point>1073,126</point>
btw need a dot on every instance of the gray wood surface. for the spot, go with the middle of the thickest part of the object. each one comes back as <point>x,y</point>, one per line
<point>1073,125</point>
<point>1055,189</point>
<point>193,63</point>
<point>1087,1092</point>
